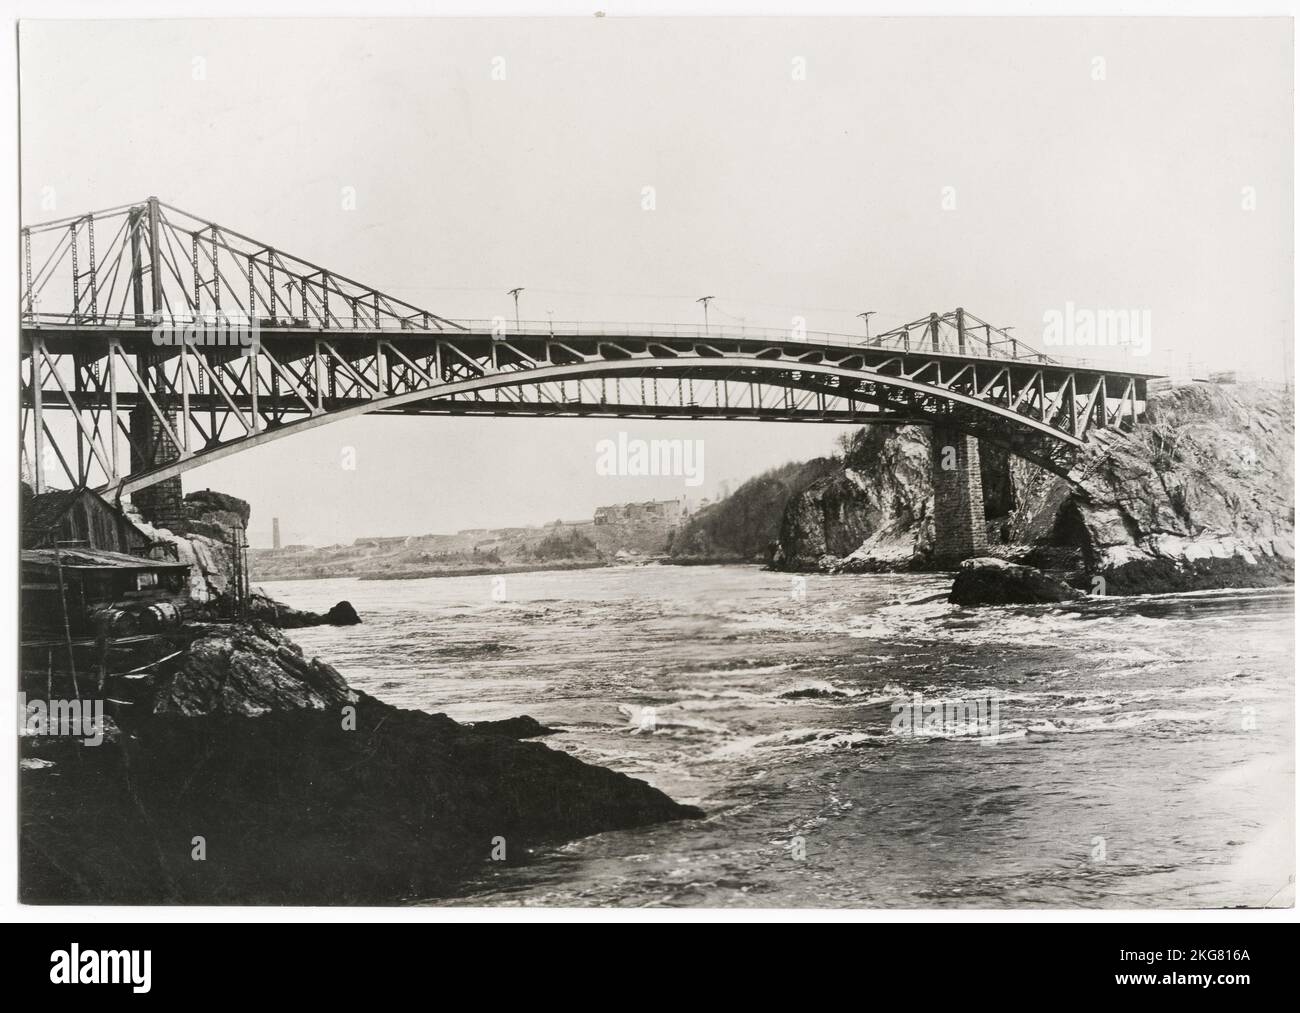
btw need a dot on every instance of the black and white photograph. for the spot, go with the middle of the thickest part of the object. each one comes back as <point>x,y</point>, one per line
<point>604,463</point>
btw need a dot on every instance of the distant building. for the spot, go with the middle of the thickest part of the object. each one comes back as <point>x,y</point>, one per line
<point>655,511</point>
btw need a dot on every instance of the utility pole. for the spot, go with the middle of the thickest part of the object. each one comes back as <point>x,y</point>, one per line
<point>704,300</point>
<point>515,292</point>
<point>866,320</point>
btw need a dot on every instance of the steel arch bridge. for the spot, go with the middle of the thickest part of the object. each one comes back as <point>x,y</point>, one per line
<point>177,341</point>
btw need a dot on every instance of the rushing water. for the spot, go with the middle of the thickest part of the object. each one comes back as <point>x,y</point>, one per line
<point>1143,755</point>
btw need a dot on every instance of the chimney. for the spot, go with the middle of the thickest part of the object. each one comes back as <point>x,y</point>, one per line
<point>275,532</point>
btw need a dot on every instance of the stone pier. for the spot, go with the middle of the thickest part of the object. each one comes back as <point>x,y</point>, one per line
<point>159,504</point>
<point>959,530</point>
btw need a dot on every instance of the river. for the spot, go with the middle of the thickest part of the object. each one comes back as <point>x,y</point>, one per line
<point>1141,754</point>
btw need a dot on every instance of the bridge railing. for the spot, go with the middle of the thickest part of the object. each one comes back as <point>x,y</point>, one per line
<point>910,338</point>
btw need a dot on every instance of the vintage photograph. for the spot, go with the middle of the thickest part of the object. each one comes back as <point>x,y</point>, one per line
<point>696,463</point>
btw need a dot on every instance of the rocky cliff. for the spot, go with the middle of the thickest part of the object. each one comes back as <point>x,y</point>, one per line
<point>1199,496</point>
<point>872,512</point>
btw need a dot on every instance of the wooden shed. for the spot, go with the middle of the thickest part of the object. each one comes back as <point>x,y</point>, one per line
<point>76,589</point>
<point>81,518</point>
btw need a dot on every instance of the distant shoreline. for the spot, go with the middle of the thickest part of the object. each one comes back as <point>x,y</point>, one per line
<point>469,571</point>
<point>710,561</point>
<point>480,571</point>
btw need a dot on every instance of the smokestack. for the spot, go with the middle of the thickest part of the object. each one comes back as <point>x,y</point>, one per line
<point>275,532</point>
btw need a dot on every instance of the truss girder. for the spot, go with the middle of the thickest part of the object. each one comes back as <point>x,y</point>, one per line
<point>208,403</point>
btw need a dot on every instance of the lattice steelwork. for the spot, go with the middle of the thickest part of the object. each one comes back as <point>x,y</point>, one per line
<point>324,347</point>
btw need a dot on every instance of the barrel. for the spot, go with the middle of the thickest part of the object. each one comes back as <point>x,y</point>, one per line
<point>114,620</point>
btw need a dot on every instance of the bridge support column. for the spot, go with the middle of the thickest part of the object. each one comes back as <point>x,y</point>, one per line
<point>161,503</point>
<point>959,530</point>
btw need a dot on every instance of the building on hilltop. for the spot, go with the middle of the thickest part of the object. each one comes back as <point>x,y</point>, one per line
<point>663,511</point>
<point>381,542</point>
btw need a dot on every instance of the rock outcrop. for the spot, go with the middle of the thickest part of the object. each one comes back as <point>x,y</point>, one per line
<point>247,670</point>
<point>991,581</point>
<point>342,614</point>
<point>826,521</point>
<point>295,789</point>
<point>1199,496</point>
<point>208,535</point>
<point>746,526</point>
<point>213,524</point>
<point>522,727</point>
<point>263,607</point>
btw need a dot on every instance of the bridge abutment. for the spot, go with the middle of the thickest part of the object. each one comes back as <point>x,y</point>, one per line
<point>959,530</point>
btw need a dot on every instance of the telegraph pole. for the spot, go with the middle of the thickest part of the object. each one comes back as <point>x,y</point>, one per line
<point>866,320</point>
<point>704,300</point>
<point>515,292</point>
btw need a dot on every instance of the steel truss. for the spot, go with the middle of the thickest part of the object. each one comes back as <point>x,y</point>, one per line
<point>324,348</point>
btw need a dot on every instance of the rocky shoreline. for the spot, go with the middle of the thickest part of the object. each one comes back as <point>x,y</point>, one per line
<point>246,773</point>
<point>227,768</point>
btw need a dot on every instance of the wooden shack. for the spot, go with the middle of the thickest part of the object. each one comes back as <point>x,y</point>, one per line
<point>80,518</point>
<point>88,589</point>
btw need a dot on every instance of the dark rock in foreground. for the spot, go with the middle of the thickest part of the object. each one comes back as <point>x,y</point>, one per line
<point>328,796</point>
<point>989,581</point>
<point>522,727</point>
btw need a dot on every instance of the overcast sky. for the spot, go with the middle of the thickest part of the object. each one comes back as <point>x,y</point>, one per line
<point>1113,163</point>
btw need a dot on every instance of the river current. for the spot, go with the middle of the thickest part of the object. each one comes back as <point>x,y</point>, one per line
<point>1131,752</point>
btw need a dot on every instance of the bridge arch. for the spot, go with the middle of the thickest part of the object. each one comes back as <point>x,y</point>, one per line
<point>777,373</point>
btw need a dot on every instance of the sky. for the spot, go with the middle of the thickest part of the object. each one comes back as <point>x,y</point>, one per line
<point>800,168</point>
